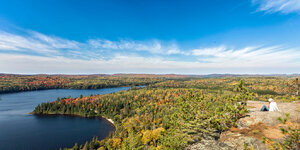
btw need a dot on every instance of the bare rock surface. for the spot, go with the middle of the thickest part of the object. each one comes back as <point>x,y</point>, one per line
<point>252,128</point>
<point>209,144</point>
<point>270,118</point>
<point>238,141</point>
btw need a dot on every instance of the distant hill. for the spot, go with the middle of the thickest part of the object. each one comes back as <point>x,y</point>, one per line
<point>156,75</point>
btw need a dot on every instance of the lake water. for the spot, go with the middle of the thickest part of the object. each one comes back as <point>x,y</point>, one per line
<point>22,131</point>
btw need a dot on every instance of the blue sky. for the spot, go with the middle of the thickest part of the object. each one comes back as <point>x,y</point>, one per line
<point>134,36</point>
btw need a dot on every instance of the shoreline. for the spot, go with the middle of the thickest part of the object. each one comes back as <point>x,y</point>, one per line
<point>12,92</point>
<point>110,121</point>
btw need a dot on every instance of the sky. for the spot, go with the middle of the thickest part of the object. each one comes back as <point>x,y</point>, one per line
<point>157,36</point>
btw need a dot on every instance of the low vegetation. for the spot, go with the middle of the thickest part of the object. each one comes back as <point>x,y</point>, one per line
<point>291,140</point>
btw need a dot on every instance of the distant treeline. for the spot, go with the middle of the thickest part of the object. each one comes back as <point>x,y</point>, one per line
<point>259,85</point>
<point>280,87</point>
<point>17,83</point>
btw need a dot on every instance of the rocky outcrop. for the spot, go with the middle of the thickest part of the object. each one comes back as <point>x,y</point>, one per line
<point>270,118</point>
<point>252,128</point>
<point>239,141</point>
<point>209,144</point>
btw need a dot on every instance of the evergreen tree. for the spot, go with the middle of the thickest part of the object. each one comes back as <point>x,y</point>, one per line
<point>76,147</point>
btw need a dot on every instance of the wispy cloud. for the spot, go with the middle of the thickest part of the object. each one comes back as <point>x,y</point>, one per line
<point>250,56</point>
<point>226,61</point>
<point>118,64</point>
<point>51,54</point>
<point>282,6</point>
<point>151,46</point>
<point>39,43</point>
<point>54,42</point>
<point>13,42</point>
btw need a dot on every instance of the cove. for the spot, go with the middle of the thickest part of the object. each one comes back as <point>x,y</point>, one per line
<point>23,131</point>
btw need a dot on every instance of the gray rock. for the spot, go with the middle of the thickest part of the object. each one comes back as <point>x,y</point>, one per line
<point>235,141</point>
<point>238,141</point>
<point>209,144</point>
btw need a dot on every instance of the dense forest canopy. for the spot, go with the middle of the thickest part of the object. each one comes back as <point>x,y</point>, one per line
<point>155,118</point>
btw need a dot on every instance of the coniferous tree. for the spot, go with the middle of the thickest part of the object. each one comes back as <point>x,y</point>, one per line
<point>76,147</point>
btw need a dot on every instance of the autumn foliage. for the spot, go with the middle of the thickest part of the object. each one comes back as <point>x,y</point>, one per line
<point>151,118</point>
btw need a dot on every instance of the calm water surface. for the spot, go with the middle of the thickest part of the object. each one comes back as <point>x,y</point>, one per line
<point>22,131</point>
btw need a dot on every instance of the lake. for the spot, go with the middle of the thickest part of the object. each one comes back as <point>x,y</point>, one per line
<point>22,131</point>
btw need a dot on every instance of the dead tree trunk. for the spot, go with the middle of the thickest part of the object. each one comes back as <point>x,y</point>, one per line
<point>297,86</point>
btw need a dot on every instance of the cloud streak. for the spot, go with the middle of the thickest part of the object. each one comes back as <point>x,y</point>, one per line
<point>282,6</point>
<point>11,63</point>
<point>42,44</point>
<point>13,42</point>
<point>34,52</point>
<point>249,56</point>
<point>152,46</point>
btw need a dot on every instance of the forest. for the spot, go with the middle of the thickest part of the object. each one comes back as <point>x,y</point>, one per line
<point>172,114</point>
<point>155,118</point>
<point>281,86</point>
<point>18,83</point>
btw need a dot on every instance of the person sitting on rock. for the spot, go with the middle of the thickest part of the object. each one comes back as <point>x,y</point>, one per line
<point>271,107</point>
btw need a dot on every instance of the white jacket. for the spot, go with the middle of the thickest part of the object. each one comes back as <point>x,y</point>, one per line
<point>273,107</point>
